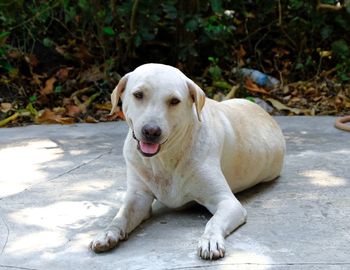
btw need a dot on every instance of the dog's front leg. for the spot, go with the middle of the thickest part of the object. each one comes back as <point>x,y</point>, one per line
<point>228,215</point>
<point>135,209</point>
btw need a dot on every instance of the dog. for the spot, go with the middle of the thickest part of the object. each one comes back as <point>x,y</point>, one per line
<point>183,147</point>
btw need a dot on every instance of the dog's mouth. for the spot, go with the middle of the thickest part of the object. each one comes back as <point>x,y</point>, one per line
<point>147,149</point>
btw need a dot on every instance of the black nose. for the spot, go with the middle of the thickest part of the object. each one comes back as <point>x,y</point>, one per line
<point>151,132</point>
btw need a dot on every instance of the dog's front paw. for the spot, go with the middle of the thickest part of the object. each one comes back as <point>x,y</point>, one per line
<point>211,247</point>
<point>106,240</point>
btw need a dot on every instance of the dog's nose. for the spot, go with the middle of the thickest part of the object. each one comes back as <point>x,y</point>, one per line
<point>151,132</point>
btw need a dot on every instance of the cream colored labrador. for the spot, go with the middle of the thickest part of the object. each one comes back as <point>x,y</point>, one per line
<point>184,147</point>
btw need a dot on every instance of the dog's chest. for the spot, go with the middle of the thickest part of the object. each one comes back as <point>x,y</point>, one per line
<point>166,183</point>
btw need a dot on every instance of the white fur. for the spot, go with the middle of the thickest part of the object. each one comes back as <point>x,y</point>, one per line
<point>208,152</point>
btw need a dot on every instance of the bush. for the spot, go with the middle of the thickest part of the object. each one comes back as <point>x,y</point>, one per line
<point>289,38</point>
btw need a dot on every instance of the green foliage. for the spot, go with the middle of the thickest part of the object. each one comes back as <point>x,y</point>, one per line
<point>108,31</point>
<point>341,48</point>
<point>342,51</point>
<point>313,30</point>
<point>125,33</point>
<point>214,70</point>
<point>33,98</point>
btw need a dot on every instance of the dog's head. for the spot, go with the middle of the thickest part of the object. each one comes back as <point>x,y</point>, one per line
<point>158,101</point>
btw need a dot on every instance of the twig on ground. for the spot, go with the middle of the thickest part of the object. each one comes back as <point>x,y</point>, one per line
<point>320,6</point>
<point>90,99</point>
<point>326,73</point>
<point>78,93</point>
<point>5,121</point>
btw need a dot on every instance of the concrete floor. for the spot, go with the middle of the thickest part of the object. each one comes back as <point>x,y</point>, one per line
<point>59,185</point>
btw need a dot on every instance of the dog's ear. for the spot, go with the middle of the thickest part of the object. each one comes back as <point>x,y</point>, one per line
<point>117,92</point>
<point>198,97</point>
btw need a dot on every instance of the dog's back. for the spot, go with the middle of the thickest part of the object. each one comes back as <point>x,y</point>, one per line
<point>253,145</point>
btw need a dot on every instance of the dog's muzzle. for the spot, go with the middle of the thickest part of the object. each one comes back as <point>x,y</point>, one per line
<point>147,148</point>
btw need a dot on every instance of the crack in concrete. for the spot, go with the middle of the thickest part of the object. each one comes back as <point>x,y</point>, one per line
<point>16,267</point>
<point>7,233</point>
<point>80,165</point>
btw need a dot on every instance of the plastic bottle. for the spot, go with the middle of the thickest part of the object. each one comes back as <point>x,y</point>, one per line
<point>259,78</point>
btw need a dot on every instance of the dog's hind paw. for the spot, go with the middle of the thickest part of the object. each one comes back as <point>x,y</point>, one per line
<point>211,247</point>
<point>106,241</point>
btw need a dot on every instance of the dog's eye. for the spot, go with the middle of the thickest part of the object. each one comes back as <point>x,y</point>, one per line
<point>138,95</point>
<point>174,101</point>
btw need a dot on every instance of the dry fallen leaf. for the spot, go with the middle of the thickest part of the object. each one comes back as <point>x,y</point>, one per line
<point>105,107</point>
<point>36,78</point>
<point>14,53</point>
<point>49,117</point>
<point>118,114</point>
<point>219,97</point>
<point>93,74</point>
<point>281,107</point>
<point>121,115</point>
<point>90,119</point>
<point>61,50</point>
<point>241,54</point>
<point>325,54</point>
<point>279,52</point>
<point>82,53</point>
<point>62,73</point>
<point>73,110</point>
<point>253,87</point>
<point>232,92</point>
<point>31,60</point>
<point>48,89</point>
<point>5,107</point>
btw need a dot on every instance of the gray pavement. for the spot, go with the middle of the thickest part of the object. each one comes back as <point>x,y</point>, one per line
<point>59,185</point>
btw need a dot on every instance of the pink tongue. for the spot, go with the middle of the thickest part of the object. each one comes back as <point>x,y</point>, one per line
<point>149,148</point>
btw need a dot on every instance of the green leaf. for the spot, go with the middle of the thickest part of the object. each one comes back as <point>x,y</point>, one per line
<point>137,40</point>
<point>215,72</point>
<point>58,89</point>
<point>342,21</point>
<point>344,77</point>
<point>69,14</point>
<point>296,4</point>
<point>309,61</point>
<point>32,98</point>
<point>108,31</point>
<point>191,25</point>
<point>101,14</point>
<point>216,6</point>
<point>170,10</point>
<point>213,60</point>
<point>43,13</point>
<point>123,36</point>
<point>251,99</point>
<point>299,66</point>
<point>222,85</point>
<point>3,36</point>
<point>341,48</point>
<point>83,4</point>
<point>31,109</point>
<point>326,31</point>
<point>48,42</point>
<point>7,66</point>
<point>147,34</point>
